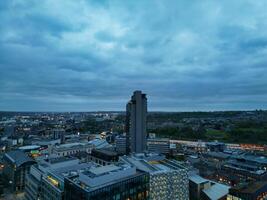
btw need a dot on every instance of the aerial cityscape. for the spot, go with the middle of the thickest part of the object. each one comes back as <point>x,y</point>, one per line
<point>133,100</point>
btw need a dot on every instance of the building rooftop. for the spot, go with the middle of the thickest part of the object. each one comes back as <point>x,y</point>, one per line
<point>57,162</point>
<point>197,179</point>
<point>214,143</point>
<point>216,191</point>
<point>234,164</point>
<point>105,169</point>
<point>71,169</point>
<point>29,147</point>
<point>99,176</point>
<point>220,155</point>
<point>253,158</point>
<point>152,163</point>
<point>18,157</point>
<point>99,143</point>
<point>70,145</point>
<point>60,159</point>
<point>250,188</point>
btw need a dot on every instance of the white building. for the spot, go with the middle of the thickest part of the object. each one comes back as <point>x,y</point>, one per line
<point>72,148</point>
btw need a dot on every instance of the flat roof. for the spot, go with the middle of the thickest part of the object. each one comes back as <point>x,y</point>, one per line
<point>104,169</point>
<point>218,155</point>
<point>29,147</point>
<point>99,176</point>
<point>250,187</point>
<point>216,191</point>
<point>61,159</point>
<point>197,179</point>
<point>65,170</point>
<point>153,163</point>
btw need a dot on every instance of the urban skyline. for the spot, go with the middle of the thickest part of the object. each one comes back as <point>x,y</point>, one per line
<point>137,156</point>
<point>133,100</point>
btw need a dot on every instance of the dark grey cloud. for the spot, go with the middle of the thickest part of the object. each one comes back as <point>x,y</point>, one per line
<point>90,55</point>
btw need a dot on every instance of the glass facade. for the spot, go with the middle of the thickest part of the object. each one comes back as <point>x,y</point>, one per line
<point>134,188</point>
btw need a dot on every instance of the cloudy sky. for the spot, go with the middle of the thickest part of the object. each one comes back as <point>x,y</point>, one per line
<point>78,55</point>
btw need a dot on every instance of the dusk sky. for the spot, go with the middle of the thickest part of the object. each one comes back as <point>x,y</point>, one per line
<point>186,55</point>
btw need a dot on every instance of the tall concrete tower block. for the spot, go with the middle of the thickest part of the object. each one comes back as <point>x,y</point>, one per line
<point>136,114</point>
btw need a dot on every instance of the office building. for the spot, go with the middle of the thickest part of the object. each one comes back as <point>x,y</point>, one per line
<point>16,167</point>
<point>168,179</point>
<point>136,113</point>
<point>120,145</point>
<point>158,145</point>
<point>120,182</point>
<point>46,179</point>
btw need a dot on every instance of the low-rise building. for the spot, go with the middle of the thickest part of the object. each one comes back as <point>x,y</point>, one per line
<point>168,179</point>
<point>120,181</point>
<point>245,169</point>
<point>72,148</point>
<point>16,167</point>
<point>103,156</point>
<point>215,146</point>
<point>249,191</point>
<point>46,179</point>
<point>196,185</point>
<point>204,189</point>
<point>158,145</point>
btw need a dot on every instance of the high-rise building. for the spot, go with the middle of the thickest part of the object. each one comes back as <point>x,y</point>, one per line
<point>136,112</point>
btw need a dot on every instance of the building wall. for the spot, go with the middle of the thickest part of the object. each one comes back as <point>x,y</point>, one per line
<point>135,188</point>
<point>136,113</point>
<point>50,192</point>
<point>158,146</point>
<point>169,186</point>
<point>72,150</point>
<point>120,143</point>
<point>15,176</point>
<point>32,188</point>
<point>98,160</point>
